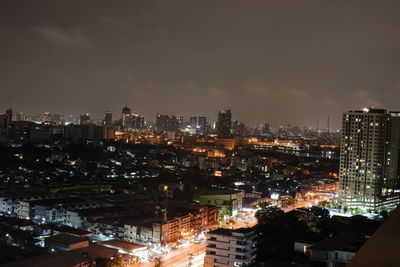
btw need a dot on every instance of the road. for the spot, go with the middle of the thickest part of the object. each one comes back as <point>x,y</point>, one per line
<point>193,255</point>
<point>181,257</point>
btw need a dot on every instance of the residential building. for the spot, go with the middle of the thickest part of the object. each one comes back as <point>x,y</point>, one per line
<point>229,202</point>
<point>368,177</point>
<point>227,247</point>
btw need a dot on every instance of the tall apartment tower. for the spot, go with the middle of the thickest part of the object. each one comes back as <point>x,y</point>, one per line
<point>369,160</point>
<point>224,123</point>
<point>227,247</point>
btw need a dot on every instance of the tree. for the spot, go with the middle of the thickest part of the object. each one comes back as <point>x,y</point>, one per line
<point>277,231</point>
<point>345,209</point>
<point>269,215</point>
<point>384,214</point>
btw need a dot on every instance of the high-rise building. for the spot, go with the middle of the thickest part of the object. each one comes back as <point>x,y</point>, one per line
<point>173,124</point>
<point>5,124</point>
<point>9,114</point>
<point>227,247</point>
<point>108,118</point>
<point>126,117</point>
<point>19,116</point>
<point>137,121</point>
<point>162,122</point>
<point>193,122</point>
<point>46,117</point>
<point>224,123</point>
<point>201,124</point>
<point>369,160</point>
<point>85,118</point>
<point>180,120</point>
<point>265,129</point>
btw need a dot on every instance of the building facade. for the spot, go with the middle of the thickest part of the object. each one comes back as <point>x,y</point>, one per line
<point>368,174</point>
<point>226,247</point>
<point>224,123</point>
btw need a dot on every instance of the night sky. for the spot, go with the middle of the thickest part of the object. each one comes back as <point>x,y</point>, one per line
<point>274,61</point>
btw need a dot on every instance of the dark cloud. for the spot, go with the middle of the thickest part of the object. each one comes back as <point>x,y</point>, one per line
<point>277,61</point>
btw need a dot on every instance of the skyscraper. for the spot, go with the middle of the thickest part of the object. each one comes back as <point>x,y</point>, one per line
<point>137,121</point>
<point>107,118</point>
<point>201,124</point>
<point>224,123</point>
<point>126,117</point>
<point>173,124</point>
<point>19,116</point>
<point>162,123</point>
<point>369,160</point>
<point>85,118</point>
<point>193,122</point>
<point>5,124</point>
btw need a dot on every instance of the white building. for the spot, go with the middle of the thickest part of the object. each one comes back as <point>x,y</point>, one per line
<point>369,159</point>
<point>337,250</point>
<point>226,247</point>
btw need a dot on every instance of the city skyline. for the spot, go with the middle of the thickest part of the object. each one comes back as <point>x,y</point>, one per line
<point>269,61</point>
<point>322,125</point>
<point>199,133</point>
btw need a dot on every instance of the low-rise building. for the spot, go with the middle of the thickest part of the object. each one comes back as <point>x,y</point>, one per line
<point>337,250</point>
<point>227,247</point>
<point>229,202</point>
<point>66,242</point>
<point>170,225</point>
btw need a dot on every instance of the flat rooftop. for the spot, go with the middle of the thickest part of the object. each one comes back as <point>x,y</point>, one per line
<point>341,242</point>
<point>66,239</point>
<point>59,259</point>
<point>222,192</point>
<point>229,232</point>
<point>56,201</point>
<point>121,244</point>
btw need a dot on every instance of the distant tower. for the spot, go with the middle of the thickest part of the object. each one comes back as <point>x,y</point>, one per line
<point>46,117</point>
<point>162,123</point>
<point>9,114</point>
<point>19,116</point>
<point>107,118</point>
<point>85,118</point>
<point>201,124</point>
<point>224,123</point>
<point>126,117</point>
<point>329,127</point>
<point>193,122</point>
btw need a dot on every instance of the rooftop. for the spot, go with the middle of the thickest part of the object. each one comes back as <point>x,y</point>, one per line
<point>66,239</point>
<point>229,232</point>
<point>343,242</point>
<point>56,201</point>
<point>382,248</point>
<point>96,251</point>
<point>59,259</point>
<point>222,192</point>
<point>121,244</point>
